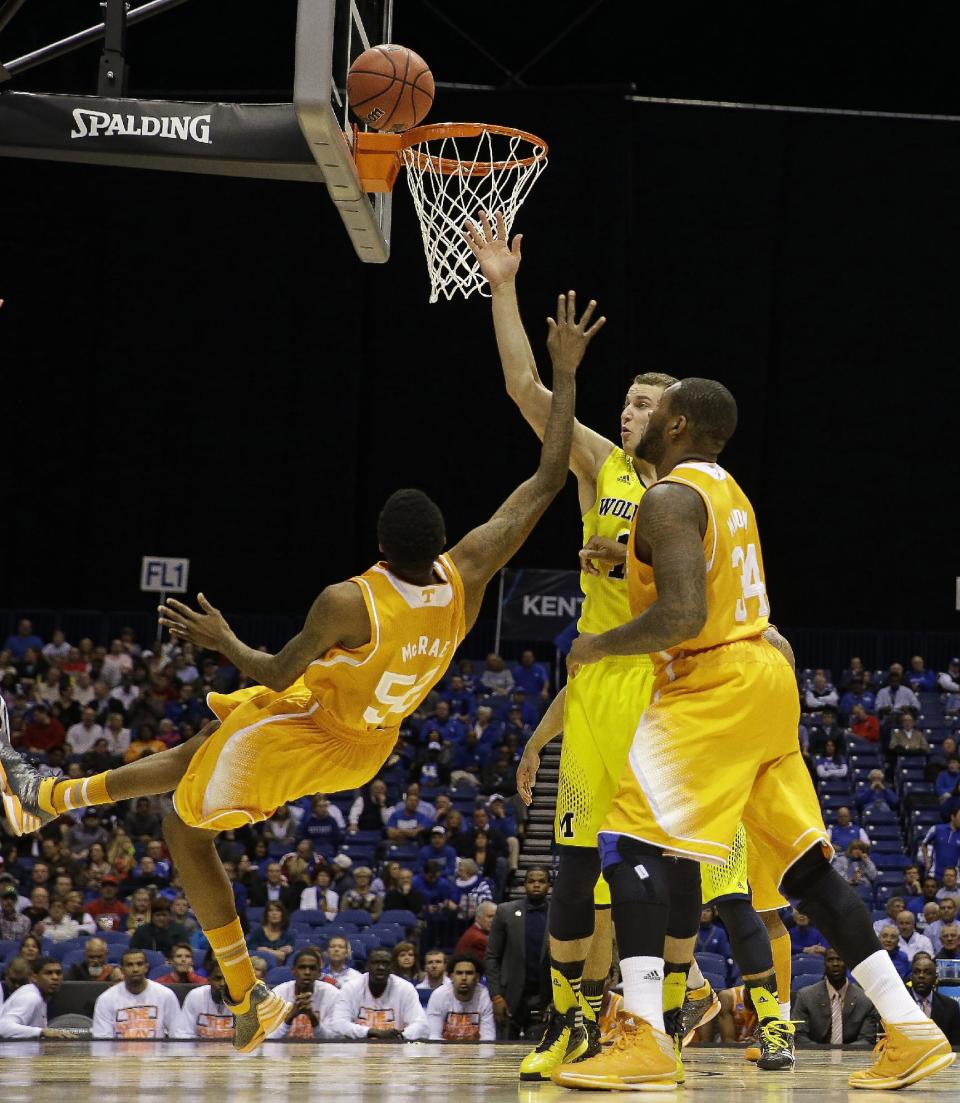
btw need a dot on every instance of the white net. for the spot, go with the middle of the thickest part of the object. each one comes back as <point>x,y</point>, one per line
<point>453,177</point>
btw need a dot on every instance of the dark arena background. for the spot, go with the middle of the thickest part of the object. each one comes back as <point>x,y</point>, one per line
<point>200,367</point>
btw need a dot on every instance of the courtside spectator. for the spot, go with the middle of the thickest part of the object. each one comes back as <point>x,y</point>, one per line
<point>321,828</point>
<point>855,866</point>
<point>895,696</point>
<point>23,641</point>
<point>472,889</point>
<point>403,963</point>
<point>948,778</point>
<point>877,795</point>
<point>857,694</point>
<point>83,735</point>
<point>928,895</point>
<point>819,693</point>
<point>143,740</point>
<point>19,973</point>
<point>430,767</point>
<point>424,806</point>
<point>338,968</point>
<point>863,725</point>
<point>844,831</point>
<point>272,939</point>
<point>204,1013</point>
<point>940,848</point>
<point>405,897</point>
<point>13,925</point>
<point>107,910</point>
<point>438,849</point>
<point>407,824</point>
<point>474,939</point>
<point>894,907</point>
<point>461,1011</point>
<point>828,729</point>
<point>919,678</point>
<point>890,941</point>
<point>143,824</point>
<point>831,765</point>
<point>531,676</point>
<point>949,942</point>
<point>83,835</point>
<point>260,967</point>
<point>182,971</point>
<point>496,679</point>
<point>434,971</point>
<point>78,913</point>
<point>160,933</point>
<point>944,1012</point>
<point>41,733</point>
<point>378,1005</point>
<point>462,703</point>
<point>946,916</point>
<point>516,962</point>
<point>94,966</point>
<point>58,926</point>
<point>24,1015</point>
<point>441,904</point>
<point>949,680</point>
<point>139,902</point>
<point>711,936</point>
<point>273,888</point>
<point>804,937</point>
<point>312,999</point>
<point>370,812</point>
<point>949,886</point>
<point>443,728</point>
<point>908,739</point>
<point>320,896</point>
<point>911,941</point>
<point>137,1007</point>
<point>834,1011</point>
<point>529,712</point>
<point>361,896</point>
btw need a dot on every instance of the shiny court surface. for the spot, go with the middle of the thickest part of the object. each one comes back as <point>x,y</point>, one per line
<point>119,1072</point>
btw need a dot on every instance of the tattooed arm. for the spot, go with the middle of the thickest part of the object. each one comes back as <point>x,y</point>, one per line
<point>482,552</point>
<point>670,526</point>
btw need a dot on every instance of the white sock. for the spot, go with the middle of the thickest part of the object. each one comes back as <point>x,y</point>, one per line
<point>643,988</point>
<point>785,1011</point>
<point>882,984</point>
<point>695,977</point>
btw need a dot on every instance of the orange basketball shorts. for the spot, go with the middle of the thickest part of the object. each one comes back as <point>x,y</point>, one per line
<point>272,748</point>
<point>718,744</point>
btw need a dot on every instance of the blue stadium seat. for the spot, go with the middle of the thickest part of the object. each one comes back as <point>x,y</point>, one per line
<point>878,816</point>
<point>804,980</point>
<point>402,853</point>
<point>59,950</point>
<point>891,861</point>
<point>807,964</point>
<point>9,949</point>
<point>358,949</point>
<point>356,916</point>
<point>111,937</point>
<point>403,918</point>
<point>715,962</point>
<point>255,915</point>
<point>279,974</point>
<point>368,837</point>
<point>389,936</point>
<point>158,971</point>
<point>311,917</point>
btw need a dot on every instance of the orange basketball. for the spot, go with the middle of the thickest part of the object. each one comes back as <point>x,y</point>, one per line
<point>390,88</point>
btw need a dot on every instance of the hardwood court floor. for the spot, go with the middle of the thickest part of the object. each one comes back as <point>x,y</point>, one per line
<point>186,1072</point>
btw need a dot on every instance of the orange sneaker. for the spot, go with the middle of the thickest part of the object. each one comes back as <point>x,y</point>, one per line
<point>908,1053</point>
<point>640,1059</point>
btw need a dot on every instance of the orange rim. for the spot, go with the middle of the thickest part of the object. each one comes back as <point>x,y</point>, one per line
<point>450,166</point>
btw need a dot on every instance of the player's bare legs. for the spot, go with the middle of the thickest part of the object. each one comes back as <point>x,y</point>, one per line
<point>257,1010</point>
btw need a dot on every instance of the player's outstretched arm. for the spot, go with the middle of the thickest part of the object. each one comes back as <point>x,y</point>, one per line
<point>499,261</point>
<point>670,521</point>
<point>482,552</point>
<point>338,616</point>
<point>550,726</point>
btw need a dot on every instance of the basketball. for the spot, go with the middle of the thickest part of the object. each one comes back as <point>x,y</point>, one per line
<point>390,88</point>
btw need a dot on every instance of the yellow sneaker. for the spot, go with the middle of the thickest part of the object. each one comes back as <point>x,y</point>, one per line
<point>258,1014</point>
<point>908,1053</point>
<point>640,1059</point>
<point>562,1041</point>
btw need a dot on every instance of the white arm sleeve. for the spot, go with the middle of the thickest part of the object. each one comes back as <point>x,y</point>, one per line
<point>22,1014</point>
<point>103,1020</point>
<point>341,1024</point>
<point>488,1025</point>
<point>435,1015</point>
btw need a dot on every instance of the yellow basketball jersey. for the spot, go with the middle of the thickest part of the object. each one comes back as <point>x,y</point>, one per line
<point>737,606</point>
<point>619,490</point>
<point>414,632</point>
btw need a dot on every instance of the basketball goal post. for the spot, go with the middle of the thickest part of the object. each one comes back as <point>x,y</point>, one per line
<point>306,140</point>
<point>454,170</point>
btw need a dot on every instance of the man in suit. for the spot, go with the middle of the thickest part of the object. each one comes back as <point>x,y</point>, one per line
<point>516,962</point>
<point>944,1011</point>
<point>274,887</point>
<point>834,1011</point>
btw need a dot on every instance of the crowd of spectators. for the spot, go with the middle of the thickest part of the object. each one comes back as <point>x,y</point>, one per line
<point>414,864</point>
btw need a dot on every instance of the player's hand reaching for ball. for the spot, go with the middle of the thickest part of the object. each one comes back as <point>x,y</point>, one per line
<point>567,339</point>
<point>499,258</point>
<point>601,549</point>
<point>205,629</point>
<point>583,652</point>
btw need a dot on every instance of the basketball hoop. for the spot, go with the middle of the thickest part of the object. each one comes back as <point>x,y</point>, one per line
<point>455,170</point>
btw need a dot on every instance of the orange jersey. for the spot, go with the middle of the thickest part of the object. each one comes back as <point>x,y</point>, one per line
<point>737,606</point>
<point>414,631</point>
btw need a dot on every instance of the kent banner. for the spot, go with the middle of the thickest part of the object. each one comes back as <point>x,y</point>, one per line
<point>538,605</point>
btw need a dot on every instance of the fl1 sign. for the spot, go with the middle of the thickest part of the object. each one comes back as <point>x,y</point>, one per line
<point>160,575</point>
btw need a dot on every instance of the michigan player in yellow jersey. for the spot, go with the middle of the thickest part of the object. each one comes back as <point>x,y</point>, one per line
<point>327,710</point>
<point>717,746</point>
<point>598,715</point>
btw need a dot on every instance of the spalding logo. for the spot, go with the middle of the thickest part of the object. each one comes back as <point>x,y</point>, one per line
<point>103,124</point>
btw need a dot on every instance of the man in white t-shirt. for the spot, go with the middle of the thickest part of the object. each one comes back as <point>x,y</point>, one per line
<point>378,1006</point>
<point>24,1015</point>
<point>82,736</point>
<point>136,1007</point>
<point>462,1010</point>
<point>312,999</point>
<point>338,967</point>
<point>204,1013</point>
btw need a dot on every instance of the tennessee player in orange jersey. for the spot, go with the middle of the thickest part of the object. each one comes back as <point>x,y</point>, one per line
<point>327,710</point>
<point>717,745</point>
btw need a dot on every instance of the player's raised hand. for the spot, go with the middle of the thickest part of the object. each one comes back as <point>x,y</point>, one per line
<point>499,258</point>
<point>527,774</point>
<point>208,628</point>
<point>567,339</point>
<point>601,549</point>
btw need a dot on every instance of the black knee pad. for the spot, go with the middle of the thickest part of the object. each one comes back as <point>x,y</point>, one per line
<point>571,909</point>
<point>819,892</point>
<point>748,936</point>
<point>638,876</point>
<point>684,879</point>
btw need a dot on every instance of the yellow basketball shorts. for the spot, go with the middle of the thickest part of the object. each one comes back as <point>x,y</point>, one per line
<point>603,704</point>
<point>272,748</point>
<point>741,877</point>
<point>718,745</point>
